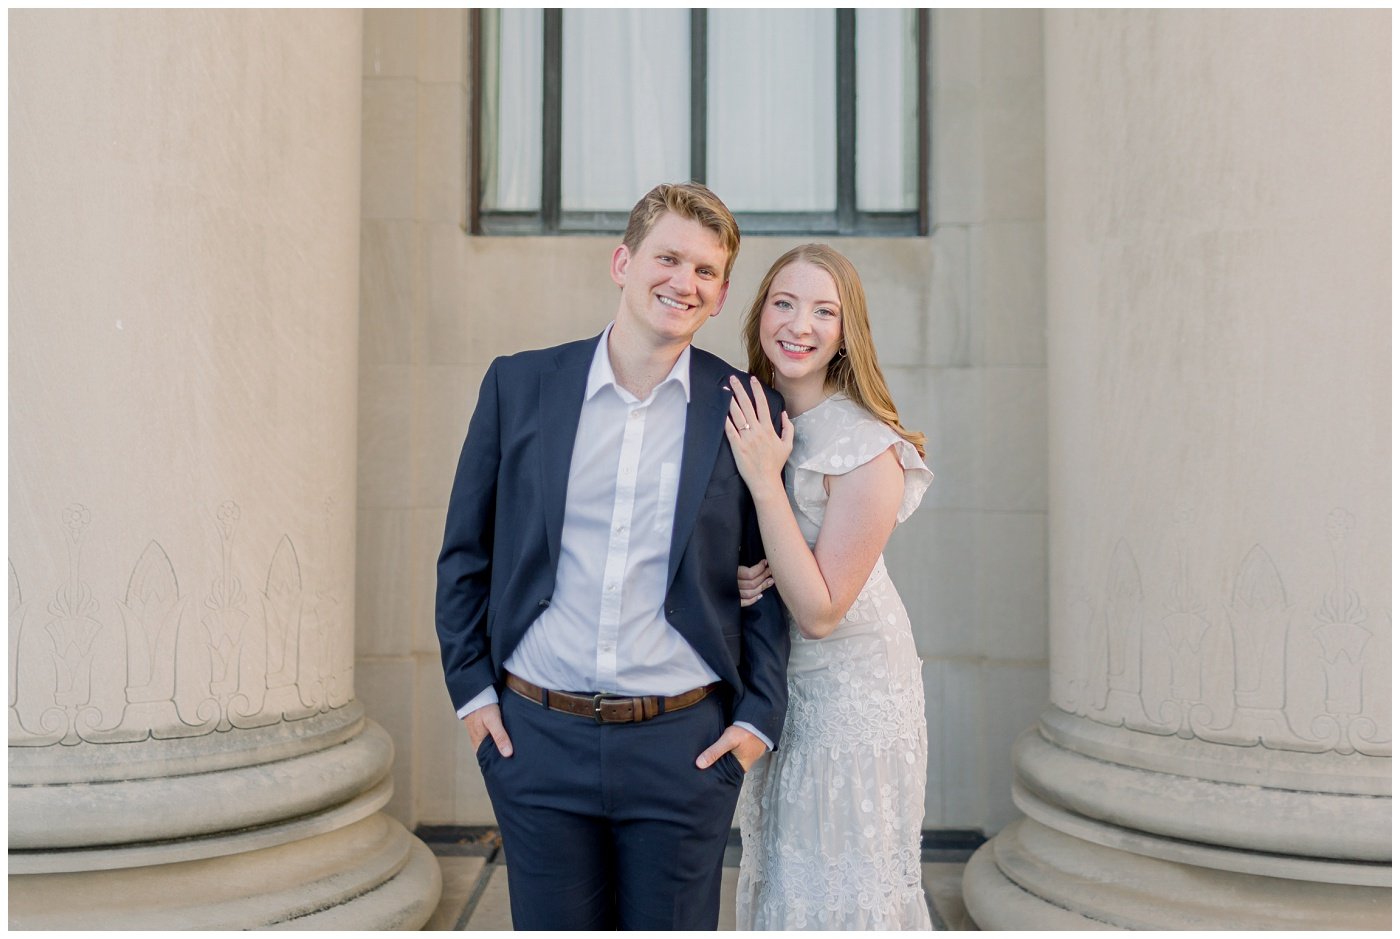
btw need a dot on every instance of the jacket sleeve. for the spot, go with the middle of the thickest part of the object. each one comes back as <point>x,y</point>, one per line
<point>764,640</point>
<point>464,566</point>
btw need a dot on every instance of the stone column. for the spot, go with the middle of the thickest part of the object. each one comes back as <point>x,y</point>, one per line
<point>1216,753</point>
<point>186,749</point>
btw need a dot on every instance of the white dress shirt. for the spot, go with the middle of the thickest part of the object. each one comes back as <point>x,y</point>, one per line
<point>604,629</point>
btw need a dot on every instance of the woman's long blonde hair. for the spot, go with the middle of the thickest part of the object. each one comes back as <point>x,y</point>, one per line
<point>857,373</point>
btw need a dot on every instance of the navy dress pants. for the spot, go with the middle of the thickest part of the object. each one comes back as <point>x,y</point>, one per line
<point>611,826</point>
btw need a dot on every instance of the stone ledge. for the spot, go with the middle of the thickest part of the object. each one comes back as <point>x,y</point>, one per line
<point>371,874</point>
<point>405,901</point>
<point>995,902</point>
<point>151,809</point>
<point>178,756</point>
<point>1264,864</point>
<point>1325,825</point>
<point>1032,877</point>
<point>193,849</point>
<point>1255,764</point>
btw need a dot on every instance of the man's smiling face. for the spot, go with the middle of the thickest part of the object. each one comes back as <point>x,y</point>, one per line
<point>673,282</point>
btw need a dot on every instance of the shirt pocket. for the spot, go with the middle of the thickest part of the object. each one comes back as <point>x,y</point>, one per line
<point>669,483</point>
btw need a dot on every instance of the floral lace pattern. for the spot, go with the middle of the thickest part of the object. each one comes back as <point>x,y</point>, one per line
<point>831,820</point>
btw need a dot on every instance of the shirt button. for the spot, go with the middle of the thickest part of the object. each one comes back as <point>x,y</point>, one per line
<point>635,415</point>
<point>612,588</point>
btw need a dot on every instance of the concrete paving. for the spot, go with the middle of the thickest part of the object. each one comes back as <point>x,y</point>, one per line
<point>476,897</point>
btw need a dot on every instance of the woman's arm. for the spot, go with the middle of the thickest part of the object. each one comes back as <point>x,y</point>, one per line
<point>817,587</point>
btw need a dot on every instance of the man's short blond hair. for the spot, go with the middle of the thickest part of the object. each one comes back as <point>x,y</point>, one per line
<point>688,200</point>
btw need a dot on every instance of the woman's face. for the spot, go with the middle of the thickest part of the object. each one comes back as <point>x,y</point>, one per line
<point>800,328</point>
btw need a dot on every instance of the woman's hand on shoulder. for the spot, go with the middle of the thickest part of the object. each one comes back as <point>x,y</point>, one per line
<point>760,452</point>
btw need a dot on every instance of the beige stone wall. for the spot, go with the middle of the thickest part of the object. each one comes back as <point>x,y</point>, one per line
<point>976,571</point>
<point>959,321</point>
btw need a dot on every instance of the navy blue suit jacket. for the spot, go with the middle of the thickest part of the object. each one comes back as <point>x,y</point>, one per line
<point>501,548</point>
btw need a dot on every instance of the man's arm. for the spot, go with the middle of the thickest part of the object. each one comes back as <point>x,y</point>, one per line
<point>763,646</point>
<point>464,566</point>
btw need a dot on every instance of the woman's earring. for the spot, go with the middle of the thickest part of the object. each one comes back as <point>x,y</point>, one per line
<point>841,352</point>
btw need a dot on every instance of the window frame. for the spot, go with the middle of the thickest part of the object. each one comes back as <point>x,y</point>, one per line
<point>846,219</point>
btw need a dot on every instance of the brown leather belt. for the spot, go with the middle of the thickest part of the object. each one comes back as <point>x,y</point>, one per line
<point>608,708</point>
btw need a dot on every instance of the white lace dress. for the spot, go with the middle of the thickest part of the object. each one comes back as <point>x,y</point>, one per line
<point>831,820</point>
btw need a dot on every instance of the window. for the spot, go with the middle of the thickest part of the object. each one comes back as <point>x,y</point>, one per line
<point>803,121</point>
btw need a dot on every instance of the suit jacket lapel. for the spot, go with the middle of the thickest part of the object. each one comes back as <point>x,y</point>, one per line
<point>561,400</point>
<point>704,429</point>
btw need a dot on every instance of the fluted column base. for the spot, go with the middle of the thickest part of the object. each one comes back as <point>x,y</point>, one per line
<point>1132,830</point>
<point>372,874</point>
<point>276,827</point>
<point>1032,877</point>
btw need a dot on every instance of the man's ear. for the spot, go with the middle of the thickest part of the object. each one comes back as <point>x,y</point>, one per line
<point>620,259</point>
<point>719,304</point>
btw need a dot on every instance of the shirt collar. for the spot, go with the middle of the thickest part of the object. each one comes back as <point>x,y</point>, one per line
<point>600,373</point>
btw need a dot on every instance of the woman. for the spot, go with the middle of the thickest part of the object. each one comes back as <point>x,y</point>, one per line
<point>831,819</point>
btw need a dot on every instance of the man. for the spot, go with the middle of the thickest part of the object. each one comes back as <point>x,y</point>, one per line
<point>588,610</point>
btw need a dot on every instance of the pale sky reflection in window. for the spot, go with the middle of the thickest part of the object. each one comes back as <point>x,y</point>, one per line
<point>771,135</point>
<point>626,105</point>
<point>513,96</point>
<point>887,111</point>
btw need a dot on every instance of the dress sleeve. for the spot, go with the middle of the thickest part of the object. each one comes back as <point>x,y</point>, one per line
<point>859,442</point>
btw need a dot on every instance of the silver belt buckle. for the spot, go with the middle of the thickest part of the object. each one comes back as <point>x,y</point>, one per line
<point>598,700</point>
